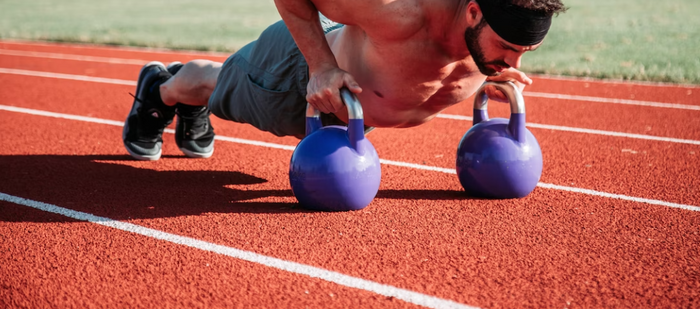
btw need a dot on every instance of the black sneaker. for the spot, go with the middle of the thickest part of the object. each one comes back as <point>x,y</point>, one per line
<point>194,134</point>
<point>143,129</point>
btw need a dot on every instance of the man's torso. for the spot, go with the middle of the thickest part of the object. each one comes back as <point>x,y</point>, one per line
<point>410,73</point>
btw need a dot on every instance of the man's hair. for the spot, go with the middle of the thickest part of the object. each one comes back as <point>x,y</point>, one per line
<point>548,7</point>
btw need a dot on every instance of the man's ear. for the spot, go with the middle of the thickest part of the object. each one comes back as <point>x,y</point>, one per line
<point>473,13</point>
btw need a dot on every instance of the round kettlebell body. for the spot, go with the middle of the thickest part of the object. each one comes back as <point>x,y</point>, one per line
<point>335,168</point>
<point>491,163</point>
<point>499,158</point>
<point>326,173</point>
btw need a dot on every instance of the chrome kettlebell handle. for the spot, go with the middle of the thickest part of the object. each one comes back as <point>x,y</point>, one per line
<point>510,90</point>
<point>356,123</point>
<point>516,125</point>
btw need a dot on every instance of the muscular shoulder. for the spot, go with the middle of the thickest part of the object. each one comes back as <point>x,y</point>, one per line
<point>380,18</point>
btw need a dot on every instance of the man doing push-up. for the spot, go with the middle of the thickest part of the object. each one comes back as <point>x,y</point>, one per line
<point>406,60</point>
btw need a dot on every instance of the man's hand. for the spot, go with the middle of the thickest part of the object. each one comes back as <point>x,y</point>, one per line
<point>325,78</point>
<point>323,90</point>
<point>509,75</point>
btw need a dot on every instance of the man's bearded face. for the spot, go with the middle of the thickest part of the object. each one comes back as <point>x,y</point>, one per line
<point>471,37</point>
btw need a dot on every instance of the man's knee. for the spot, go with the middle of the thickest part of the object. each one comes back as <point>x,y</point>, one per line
<point>200,70</point>
<point>198,76</point>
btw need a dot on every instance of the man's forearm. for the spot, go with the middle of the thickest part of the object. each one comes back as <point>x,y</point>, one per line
<point>302,20</point>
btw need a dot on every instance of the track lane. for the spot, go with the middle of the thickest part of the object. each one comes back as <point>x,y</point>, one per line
<point>95,69</point>
<point>105,67</point>
<point>662,92</point>
<point>109,51</point>
<point>645,120</point>
<point>586,161</point>
<point>54,261</point>
<point>654,121</point>
<point>649,169</point>
<point>448,171</point>
<point>421,233</point>
<point>409,196</point>
<point>680,123</point>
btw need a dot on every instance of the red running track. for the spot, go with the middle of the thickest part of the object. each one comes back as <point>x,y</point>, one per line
<point>614,223</point>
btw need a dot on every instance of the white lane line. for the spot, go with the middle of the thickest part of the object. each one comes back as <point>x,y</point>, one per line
<point>618,196</point>
<point>445,116</point>
<point>419,166</point>
<point>82,78</point>
<point>121,124</point>
<point>526,93</point>
<point>387,162</point>
<point>293,267</point>
<point>21,53</point>
<point>37,112</point>
<point>588,131</point>
<point>583,80</point>
<point>253,142</point>
<point>608,100</point>
<point>557,187</point>
<point>145,50</point>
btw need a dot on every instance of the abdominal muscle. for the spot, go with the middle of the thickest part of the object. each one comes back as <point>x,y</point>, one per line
<point>404,83</point>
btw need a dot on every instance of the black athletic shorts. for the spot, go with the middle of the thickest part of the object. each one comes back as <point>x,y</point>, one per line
<point>264,84</point>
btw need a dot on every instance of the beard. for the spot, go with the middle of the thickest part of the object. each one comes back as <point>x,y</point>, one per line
<point>471,37</point>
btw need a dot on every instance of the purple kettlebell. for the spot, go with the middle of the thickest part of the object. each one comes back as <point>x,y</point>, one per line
<point>335,168</point>
<point>498,158</point>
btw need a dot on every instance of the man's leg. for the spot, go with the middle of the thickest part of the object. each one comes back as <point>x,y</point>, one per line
<point>150,115</point>
<point>189,89</point>
<point>192,85</point>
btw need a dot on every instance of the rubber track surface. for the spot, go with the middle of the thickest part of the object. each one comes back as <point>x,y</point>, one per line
<point>621,230</point>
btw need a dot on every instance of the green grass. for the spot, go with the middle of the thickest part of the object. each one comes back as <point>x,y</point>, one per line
<point>213,25</point>
<point>623,39</point>
<point>647,40</point>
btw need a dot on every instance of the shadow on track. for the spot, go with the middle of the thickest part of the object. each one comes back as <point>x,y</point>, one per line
<point>108,186</point>
<point>120,191</point>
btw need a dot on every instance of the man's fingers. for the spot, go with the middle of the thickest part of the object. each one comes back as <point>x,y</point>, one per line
<point>511,75</point>
<point>337,104</point>
<point>333,101</point>
<point>352,85</point>
<point>521,77</point>
<point>323,90</point>
<point>326,101</point>
<point>316,100</point>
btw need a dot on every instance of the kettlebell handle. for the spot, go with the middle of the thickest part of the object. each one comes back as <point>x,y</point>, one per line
<point>356,122</point>
<point>516,126</point>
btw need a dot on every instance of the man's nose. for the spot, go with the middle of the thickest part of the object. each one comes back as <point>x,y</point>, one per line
<point>513,60</point>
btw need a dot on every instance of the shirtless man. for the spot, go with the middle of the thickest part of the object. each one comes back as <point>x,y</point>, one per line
<point>406,60</point>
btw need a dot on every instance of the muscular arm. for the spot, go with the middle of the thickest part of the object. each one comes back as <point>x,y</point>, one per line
<point>302,20</point>
<point>325,76</point>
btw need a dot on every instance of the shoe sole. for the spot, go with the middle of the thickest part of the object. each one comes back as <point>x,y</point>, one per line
<point>197,155</point>
<point>137,156</point>
<point>141,157</point>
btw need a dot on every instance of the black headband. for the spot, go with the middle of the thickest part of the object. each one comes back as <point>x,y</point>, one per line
<point>515,24</point>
